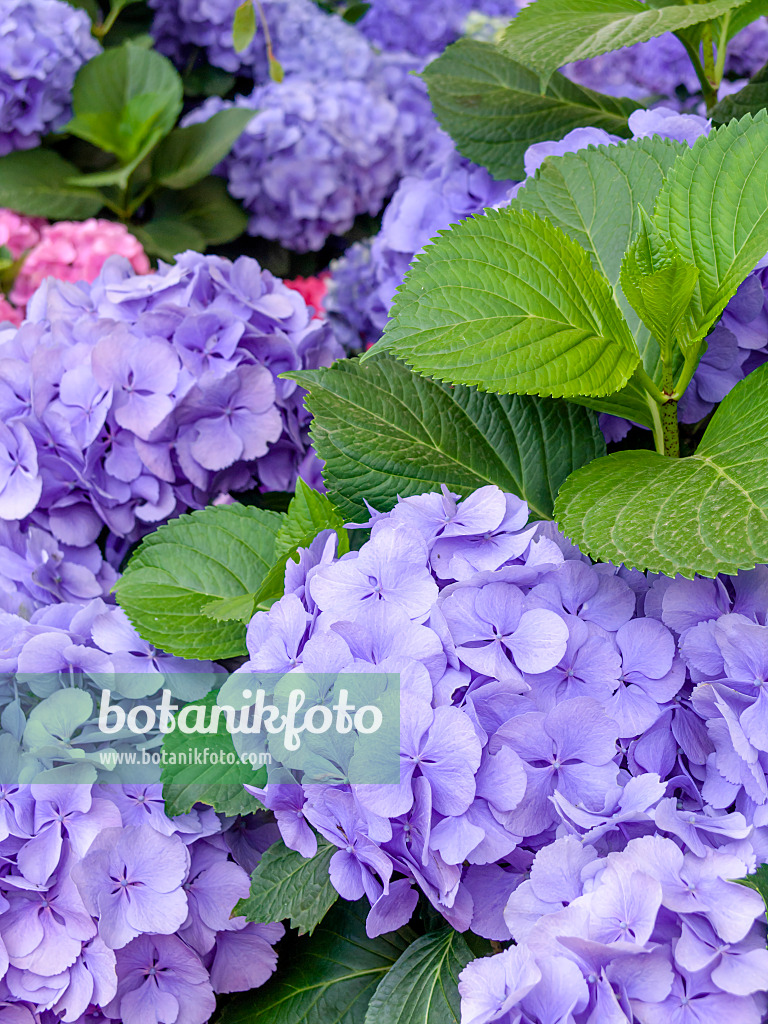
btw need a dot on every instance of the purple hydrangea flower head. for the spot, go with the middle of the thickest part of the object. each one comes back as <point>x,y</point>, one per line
<point>310,161</point>
<point>143,395</point>
<point>43,46</point>
<point>305,40</point>
<point>397,25</point>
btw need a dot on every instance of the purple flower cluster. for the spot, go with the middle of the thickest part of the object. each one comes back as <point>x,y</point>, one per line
<point>132,398</point>
<point>661,66</point>
<point>363,282</point>
<point>583,758</point>
<point>427,27</point>
<point>311,160</point>
<point>306,40</point>
<point>111,910</point>
<point>42,47</point>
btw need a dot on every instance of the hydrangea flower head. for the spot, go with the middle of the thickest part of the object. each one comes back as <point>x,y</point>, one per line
<point>43,46</point>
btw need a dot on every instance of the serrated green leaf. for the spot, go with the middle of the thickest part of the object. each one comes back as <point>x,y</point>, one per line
<point>188,154</point>
<point>508,302</point>
<point>34,182</point>
<point>206,208</point>
<point>493,108</point>
<point>570,192</point>
<point>287,886</point>
<point>189,775</point>
<point>384,431</point>
<point>706,514</point>
<point>330,977</point>
<point>758,881</point>
<point>121,174</point>
<point>714,209</point>
<point>749,100</point>
<point>423,986</point>
<point>122,97</point>
<point>218,552</point>
<point>224,608</point>
<point>547,34</point>
<point>244,26</point>
<point>659,283</point>
<point>308,514</point>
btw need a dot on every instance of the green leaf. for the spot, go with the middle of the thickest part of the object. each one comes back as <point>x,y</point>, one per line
<point>225,608</point>
<point>659,283</point>
<point>490,304</point>
<point>550,33</point>
<point>714,209</point>
<point>308,514</point>
<point>384,431</point>
<point>166,237</point>
<point>244,26</point>
<point>90,7</point>
<point>33,182</point>
<point>570,192</point>
<point>207,208</point>
<point>187,781</point>
<point>329,978</point>
<point>749,100</point>
<point>706,514</point>
<point>121,174</point>
<point>285,885</point>
<point>757,881</point>
<point>354,12</point>
<point>423,986</point>
<point>188,154</point>
<point>122,97</point>
<point>217,552</point>
<point>276,72</point>
<point>493,107</point>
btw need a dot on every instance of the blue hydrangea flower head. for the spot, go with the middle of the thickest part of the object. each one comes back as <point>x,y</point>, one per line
<point>43,45</point>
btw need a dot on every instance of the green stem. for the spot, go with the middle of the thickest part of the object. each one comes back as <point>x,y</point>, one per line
<point>722,47</point>
<point>687,372</point>
<point>658,431</point>
<point>707,88</point>
<point>669,427</point>
<point>658,396</point>
<point>101,30</point>
<point>709,54</point>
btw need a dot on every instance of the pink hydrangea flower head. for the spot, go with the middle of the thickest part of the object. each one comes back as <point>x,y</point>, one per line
<point>76,251</point>
<point>17,233</point>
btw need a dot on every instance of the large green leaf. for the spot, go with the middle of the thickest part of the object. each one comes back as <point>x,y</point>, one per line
<point>192,774</point>
<point>757,881</point>
<point>706,514</point>
<point>493,107</point>
<point>205,208</point>
<point>508,302</point>
<point>287,886</point>
<point>714,209</point>
<point>383,430</point>
<point>166,237</point>
<point>188,154</point>
<point>422,987</point>
<point>122,97</point>
<point>570,192</point>
<point>749,100</point>
<point>329,978</point>
<point>550,33</point>
<point>217,552</point>
<point>34,182</point>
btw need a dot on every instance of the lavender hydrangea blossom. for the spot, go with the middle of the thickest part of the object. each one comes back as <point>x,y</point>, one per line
<point>311,160</point>
<point>123,921</point>
<point>43,45</point>
<point>135,397</point>
<point>397,25</point>
<point>306,40</point>
<point>583,768</point>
